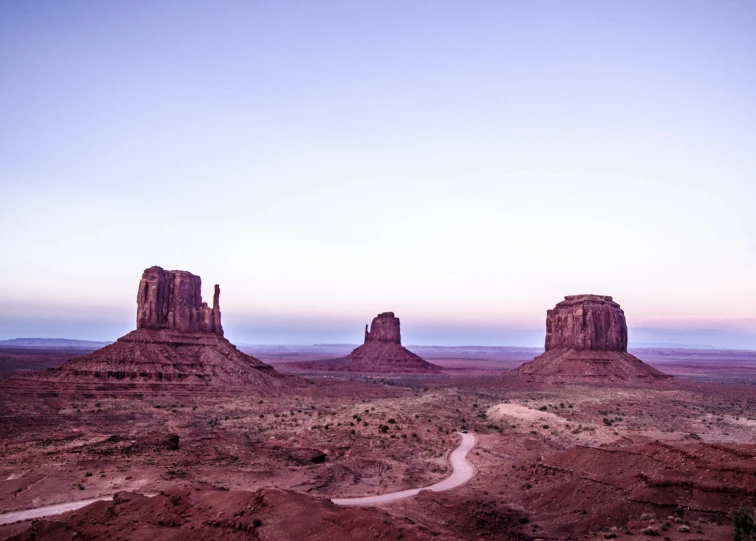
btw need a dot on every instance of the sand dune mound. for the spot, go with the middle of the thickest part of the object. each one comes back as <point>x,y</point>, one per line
<point>586,340</point>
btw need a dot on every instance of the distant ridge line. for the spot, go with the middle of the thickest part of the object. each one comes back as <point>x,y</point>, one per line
<point>53,343</point>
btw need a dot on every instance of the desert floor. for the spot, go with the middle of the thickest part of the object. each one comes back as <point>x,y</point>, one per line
<point>552,462</point>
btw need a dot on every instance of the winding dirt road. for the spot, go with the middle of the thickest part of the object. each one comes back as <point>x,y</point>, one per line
<point>48,510</point>
<point>462,472</point>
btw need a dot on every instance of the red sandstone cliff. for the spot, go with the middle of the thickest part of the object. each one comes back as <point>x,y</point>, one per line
<point>586,340</point>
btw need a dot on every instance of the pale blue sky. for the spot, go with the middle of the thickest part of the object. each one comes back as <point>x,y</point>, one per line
<point>464,164</point>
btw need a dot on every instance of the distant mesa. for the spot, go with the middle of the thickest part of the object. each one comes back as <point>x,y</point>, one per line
<point>382,353</point>
<point>178,338</point>
<point>586,340</point>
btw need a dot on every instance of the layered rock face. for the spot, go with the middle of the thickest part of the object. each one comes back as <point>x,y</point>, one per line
<point>382,353</point>
<point>384,328</point>
<point>173,300</point>
<point>586,322</point>
<point>586,340</point>
<point>178,339</point>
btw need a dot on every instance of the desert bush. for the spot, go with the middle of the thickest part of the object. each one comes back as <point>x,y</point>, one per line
<point>744,520</point>
<point>650,530</point>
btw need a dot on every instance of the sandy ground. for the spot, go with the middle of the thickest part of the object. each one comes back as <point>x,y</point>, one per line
<point>559,462</point>
<point>462,472</point>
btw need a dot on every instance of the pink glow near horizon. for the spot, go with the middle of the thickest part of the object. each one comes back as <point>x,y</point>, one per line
<point>463,172</point>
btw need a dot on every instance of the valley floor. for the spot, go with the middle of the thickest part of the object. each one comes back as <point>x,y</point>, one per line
<point>559,462</point>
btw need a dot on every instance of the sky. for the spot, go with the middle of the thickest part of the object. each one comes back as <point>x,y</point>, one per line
<point>463,164</point>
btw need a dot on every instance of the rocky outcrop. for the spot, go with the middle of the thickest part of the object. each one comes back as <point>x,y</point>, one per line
<point>382,353</point>
<point>384,328</point>
<point>173,300</point>
<point>586,322</point>
<point>179,339</point>
<point>586,340</point>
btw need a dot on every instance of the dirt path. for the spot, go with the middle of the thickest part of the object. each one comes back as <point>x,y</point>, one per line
<point>462,471</point>
<point>48,510</point>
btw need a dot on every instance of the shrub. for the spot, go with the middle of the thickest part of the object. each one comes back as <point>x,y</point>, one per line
<point>650,530</point>
<point>744,520</point>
